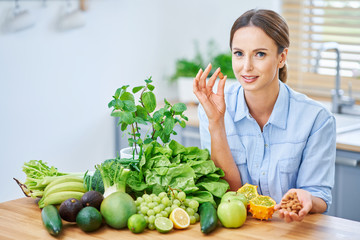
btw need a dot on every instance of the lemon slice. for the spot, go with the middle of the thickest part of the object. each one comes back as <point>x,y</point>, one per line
<point>180,218</point>
<point>163,224</point>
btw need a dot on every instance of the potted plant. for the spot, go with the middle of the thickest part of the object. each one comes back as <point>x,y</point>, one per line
<point>144,112</point>
<point>186,70</point>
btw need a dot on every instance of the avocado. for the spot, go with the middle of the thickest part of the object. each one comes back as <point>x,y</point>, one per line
<point>93,199</point>
<point>69,209</point>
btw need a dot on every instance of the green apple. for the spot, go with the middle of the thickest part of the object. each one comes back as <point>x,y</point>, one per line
<point>232,213</point>
<point>232,195</point>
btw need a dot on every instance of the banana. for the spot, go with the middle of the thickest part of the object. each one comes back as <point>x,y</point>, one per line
<point>63,179</point>
<point>65,186</point>
<point>59,197</point>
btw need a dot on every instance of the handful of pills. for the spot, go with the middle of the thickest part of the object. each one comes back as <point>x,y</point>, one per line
<point>291,203</point>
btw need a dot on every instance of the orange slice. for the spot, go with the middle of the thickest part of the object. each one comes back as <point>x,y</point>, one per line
<point>262,207</point>
<point>180,218</point>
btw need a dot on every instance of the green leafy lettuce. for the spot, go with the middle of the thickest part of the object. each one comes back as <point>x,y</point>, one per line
<point>189,169</point>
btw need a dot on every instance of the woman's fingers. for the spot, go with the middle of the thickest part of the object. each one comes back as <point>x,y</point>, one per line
<point>204,76</point>
<point>196,81</point>
<point>212,79</point>
<point>221,87</point>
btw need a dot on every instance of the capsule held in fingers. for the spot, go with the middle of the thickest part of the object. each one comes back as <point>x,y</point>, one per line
<point>221,76</point>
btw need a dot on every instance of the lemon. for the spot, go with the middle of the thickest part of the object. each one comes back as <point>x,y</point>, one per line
<point>180,218</point>
<point>163,224</point>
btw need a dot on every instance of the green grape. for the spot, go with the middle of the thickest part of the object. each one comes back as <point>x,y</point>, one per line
<point>158,215</point>
<point>151,205</point>
<point>139,212</point>
<point>156,199</point>
<point>151,219</point>
<point>153,195</point>
<point>190,211</point>
<point>155,204</point>
<point>144,210</point>
<point>197,216</point>
<point>148,199</point>
<point>139,200</point>
<point>157,209</point>
<point>168,210</point>
<point>165,201</point>
<point>146,219</point>
<point>145,196</point>
<point>150,212</point>
<point>161,206</point>
<point>193,204</point>
<point>183,206</point>
<point>151,226</point>
<point>192,220</point>
<point>186,202</point>
<point>176,202</point>
<point>174,193</point>
<point>173,207</point>
<point>164,214</point>
<point>196,209</point>
<point>181,196</point>
<point>162,195</point>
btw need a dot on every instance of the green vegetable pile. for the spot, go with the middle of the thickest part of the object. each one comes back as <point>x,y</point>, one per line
<point>189,169</point>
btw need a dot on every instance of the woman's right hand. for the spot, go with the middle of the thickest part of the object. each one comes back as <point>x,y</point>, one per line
<point>213,103</point>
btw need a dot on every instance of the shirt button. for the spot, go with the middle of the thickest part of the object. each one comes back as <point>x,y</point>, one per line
<point>259,135</point>
<point>266,145</point>
<point>263,173</point>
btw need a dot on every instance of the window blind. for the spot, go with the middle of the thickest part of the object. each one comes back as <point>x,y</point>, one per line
<point>315,24</point>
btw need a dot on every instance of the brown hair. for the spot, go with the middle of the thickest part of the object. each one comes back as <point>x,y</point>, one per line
<point>272,24</point>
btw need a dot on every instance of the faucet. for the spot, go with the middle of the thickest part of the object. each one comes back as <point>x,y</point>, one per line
<point>338,99</point>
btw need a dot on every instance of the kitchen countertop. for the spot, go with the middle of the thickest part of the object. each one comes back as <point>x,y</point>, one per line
<point>348,138</point>
<point>21,219</point>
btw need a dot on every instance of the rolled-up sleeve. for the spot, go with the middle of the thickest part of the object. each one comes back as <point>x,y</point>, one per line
<point>317,169</point>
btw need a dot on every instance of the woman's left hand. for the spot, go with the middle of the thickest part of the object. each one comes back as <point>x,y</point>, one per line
<point>305,199</point>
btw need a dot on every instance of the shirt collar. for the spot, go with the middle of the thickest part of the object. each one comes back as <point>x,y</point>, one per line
<point>279,114</point>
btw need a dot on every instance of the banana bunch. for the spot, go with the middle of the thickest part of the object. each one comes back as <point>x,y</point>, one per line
<point>61,189</point>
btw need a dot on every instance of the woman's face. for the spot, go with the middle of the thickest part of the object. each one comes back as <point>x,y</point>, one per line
<point>255,60</point>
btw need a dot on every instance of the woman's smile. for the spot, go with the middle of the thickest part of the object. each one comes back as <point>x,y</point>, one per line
<point>249,78</point>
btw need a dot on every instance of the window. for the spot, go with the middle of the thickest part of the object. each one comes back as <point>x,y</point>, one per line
<point>317,25</point>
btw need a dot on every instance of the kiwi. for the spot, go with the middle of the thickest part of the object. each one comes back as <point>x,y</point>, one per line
<point>69,209</point>
<point>92,199</point>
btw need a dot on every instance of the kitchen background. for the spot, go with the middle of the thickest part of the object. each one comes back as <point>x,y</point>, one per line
<point>58,75</point>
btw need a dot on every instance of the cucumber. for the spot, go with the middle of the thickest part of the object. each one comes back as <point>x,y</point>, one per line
<point>208,217</point>
<point>51,220</point>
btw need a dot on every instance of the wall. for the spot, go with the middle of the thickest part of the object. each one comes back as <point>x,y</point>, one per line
<point>55,86</point>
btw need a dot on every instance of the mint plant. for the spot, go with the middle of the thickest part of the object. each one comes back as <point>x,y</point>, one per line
<point>132,115</point>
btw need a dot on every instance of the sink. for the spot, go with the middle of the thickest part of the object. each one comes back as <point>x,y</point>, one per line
<point>346,123</point>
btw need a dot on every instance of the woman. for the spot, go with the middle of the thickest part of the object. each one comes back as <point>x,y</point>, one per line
<point>259,130</point>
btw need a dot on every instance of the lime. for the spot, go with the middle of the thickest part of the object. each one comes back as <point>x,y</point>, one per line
<point>163,224</point>
<point>137,223</point>
<point>89,219</point>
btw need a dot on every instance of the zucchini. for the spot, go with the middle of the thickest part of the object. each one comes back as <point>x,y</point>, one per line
<point>208,217</point>
<point>51,219</point>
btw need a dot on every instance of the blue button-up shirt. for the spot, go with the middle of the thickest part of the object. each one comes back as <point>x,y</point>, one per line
<point>296,148</point>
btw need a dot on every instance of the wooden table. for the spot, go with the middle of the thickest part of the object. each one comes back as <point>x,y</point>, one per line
<point>21,219</point>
